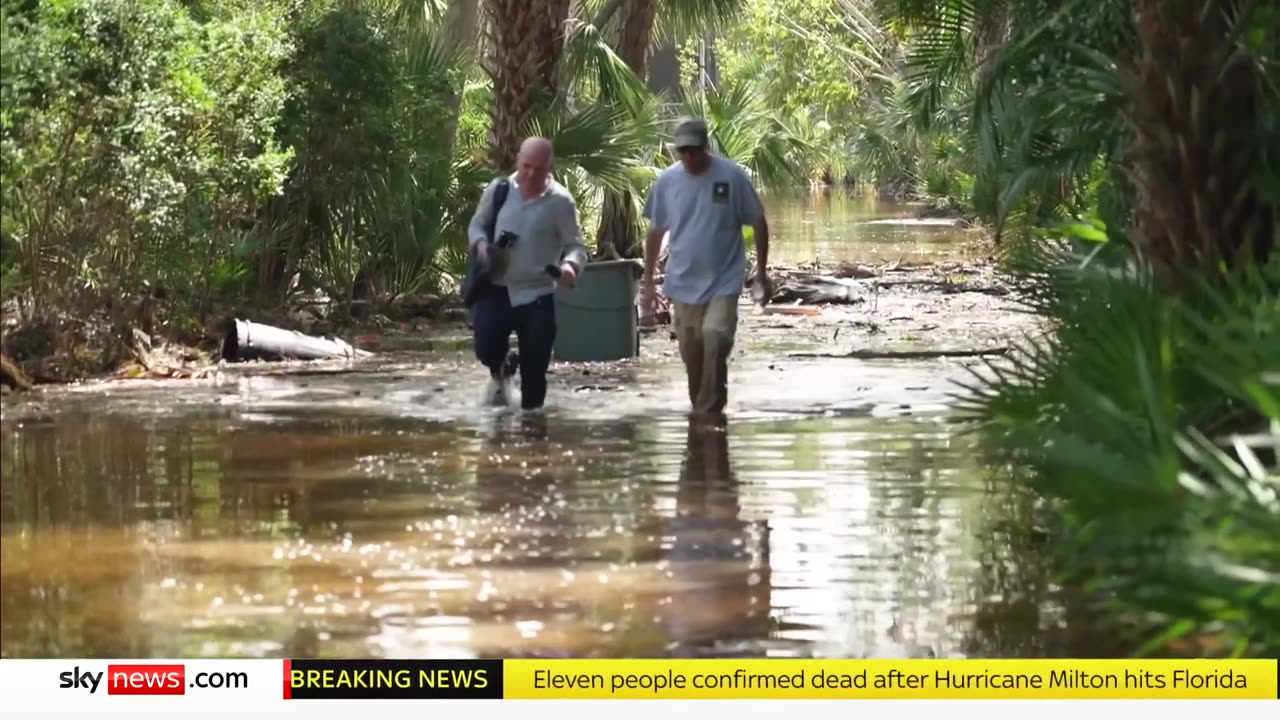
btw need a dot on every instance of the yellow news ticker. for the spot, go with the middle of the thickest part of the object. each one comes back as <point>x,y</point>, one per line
<point>784,679</point>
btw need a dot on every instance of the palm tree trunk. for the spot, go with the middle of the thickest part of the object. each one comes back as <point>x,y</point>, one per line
<point>526,43</point>
<point>991,26</point>
<point>619,232</point>
<point>1195,101</point>
<point>461,22</point>
<point>664,74</point>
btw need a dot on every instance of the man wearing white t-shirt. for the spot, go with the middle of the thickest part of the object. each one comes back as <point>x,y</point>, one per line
<point>704,201</point>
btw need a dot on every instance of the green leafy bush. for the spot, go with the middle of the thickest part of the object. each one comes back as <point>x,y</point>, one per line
<point>1154,420</point>
<point>137,143</point>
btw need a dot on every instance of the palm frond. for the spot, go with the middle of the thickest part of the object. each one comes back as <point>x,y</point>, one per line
<point>592,64</point>
<point>745,130</point>
<point>678,20</point>
<point>602,141</point>
<point>1154,419</point>
<point>431,54</point>
<point>941,53</point>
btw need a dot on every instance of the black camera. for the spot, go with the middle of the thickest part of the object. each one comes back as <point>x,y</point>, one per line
<point>507,238</point>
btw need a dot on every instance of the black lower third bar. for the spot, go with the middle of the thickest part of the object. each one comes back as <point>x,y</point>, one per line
<point>384,679</point>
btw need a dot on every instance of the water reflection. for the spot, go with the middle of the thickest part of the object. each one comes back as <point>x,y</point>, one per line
<point>518,536</point>
<point>719,562</point>
<point>833,225</point>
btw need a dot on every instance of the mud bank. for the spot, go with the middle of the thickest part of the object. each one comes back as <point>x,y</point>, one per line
<point>940,306</point>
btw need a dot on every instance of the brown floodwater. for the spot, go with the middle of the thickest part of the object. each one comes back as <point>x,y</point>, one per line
<point>834,226</point>
<point>383,513</point>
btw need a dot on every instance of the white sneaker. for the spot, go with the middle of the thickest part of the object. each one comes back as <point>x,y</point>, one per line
<point>495,392</point>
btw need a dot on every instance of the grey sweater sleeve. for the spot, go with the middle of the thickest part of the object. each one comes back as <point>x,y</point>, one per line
<point>475,230</point>
<point>573,249</point>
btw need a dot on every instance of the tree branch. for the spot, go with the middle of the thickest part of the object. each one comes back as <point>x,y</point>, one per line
<point>606,13</point>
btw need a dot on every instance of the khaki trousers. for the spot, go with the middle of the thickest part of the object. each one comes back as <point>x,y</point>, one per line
<point>706,335</point>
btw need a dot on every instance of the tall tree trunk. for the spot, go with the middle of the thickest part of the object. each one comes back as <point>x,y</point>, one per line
<point>1195,101</point>
<point>526,43</point>
<point>991,28</point>
<point>461,24</point>
<point>709,62</point>
<point>619,232</point>
<point>664,75</point>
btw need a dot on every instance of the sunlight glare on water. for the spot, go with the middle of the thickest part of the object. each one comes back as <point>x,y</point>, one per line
<point>549,536</point>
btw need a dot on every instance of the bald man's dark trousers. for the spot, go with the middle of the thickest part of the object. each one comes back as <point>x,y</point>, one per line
<point>493,320</point>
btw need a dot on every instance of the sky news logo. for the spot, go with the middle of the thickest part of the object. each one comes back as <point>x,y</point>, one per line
<point>148,680</point>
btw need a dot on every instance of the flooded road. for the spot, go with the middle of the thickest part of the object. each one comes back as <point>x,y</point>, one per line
<point>840,227</point>
<point>382,513</point>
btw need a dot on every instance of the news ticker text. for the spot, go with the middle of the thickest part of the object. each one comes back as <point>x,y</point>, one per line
<point>781,679</point>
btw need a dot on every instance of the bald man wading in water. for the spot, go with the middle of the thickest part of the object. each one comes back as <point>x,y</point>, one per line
<point>536,226</point>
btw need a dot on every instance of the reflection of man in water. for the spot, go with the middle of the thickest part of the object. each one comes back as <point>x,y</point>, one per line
<point>719,562</point>
<point>514,471</point>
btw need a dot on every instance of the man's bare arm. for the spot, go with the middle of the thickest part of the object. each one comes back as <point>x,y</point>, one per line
<point>761,229</point>
<point>573,251</point>
<point>652,247</point>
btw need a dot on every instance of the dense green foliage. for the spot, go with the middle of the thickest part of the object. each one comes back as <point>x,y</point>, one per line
<point>137,144</point>
<point>221,152</point>
<point>1155,420</point>
<point>1151,407</point>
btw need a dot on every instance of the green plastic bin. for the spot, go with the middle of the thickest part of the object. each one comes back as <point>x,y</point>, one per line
<point>599,320</point>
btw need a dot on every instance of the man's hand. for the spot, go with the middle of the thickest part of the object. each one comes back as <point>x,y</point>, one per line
<point>568,275</point>
<point>649,299</point>
<point>649,293</point>
<point>763,290</point>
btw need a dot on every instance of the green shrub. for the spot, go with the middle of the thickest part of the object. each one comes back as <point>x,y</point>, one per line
<point>137,143</point>
<point>1154,420</point>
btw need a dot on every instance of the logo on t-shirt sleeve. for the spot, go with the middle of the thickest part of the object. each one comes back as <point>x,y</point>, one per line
<point>720,192</point>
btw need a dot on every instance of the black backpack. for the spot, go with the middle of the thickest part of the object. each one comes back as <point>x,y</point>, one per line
<point>478,272</point>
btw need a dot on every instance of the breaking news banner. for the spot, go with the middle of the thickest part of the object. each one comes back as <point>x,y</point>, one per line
<point>381,679</point>
<point>782,679</point>
<point>318,689</point>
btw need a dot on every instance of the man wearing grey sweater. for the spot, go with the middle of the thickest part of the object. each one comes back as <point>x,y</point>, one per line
<point>536,227</point>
